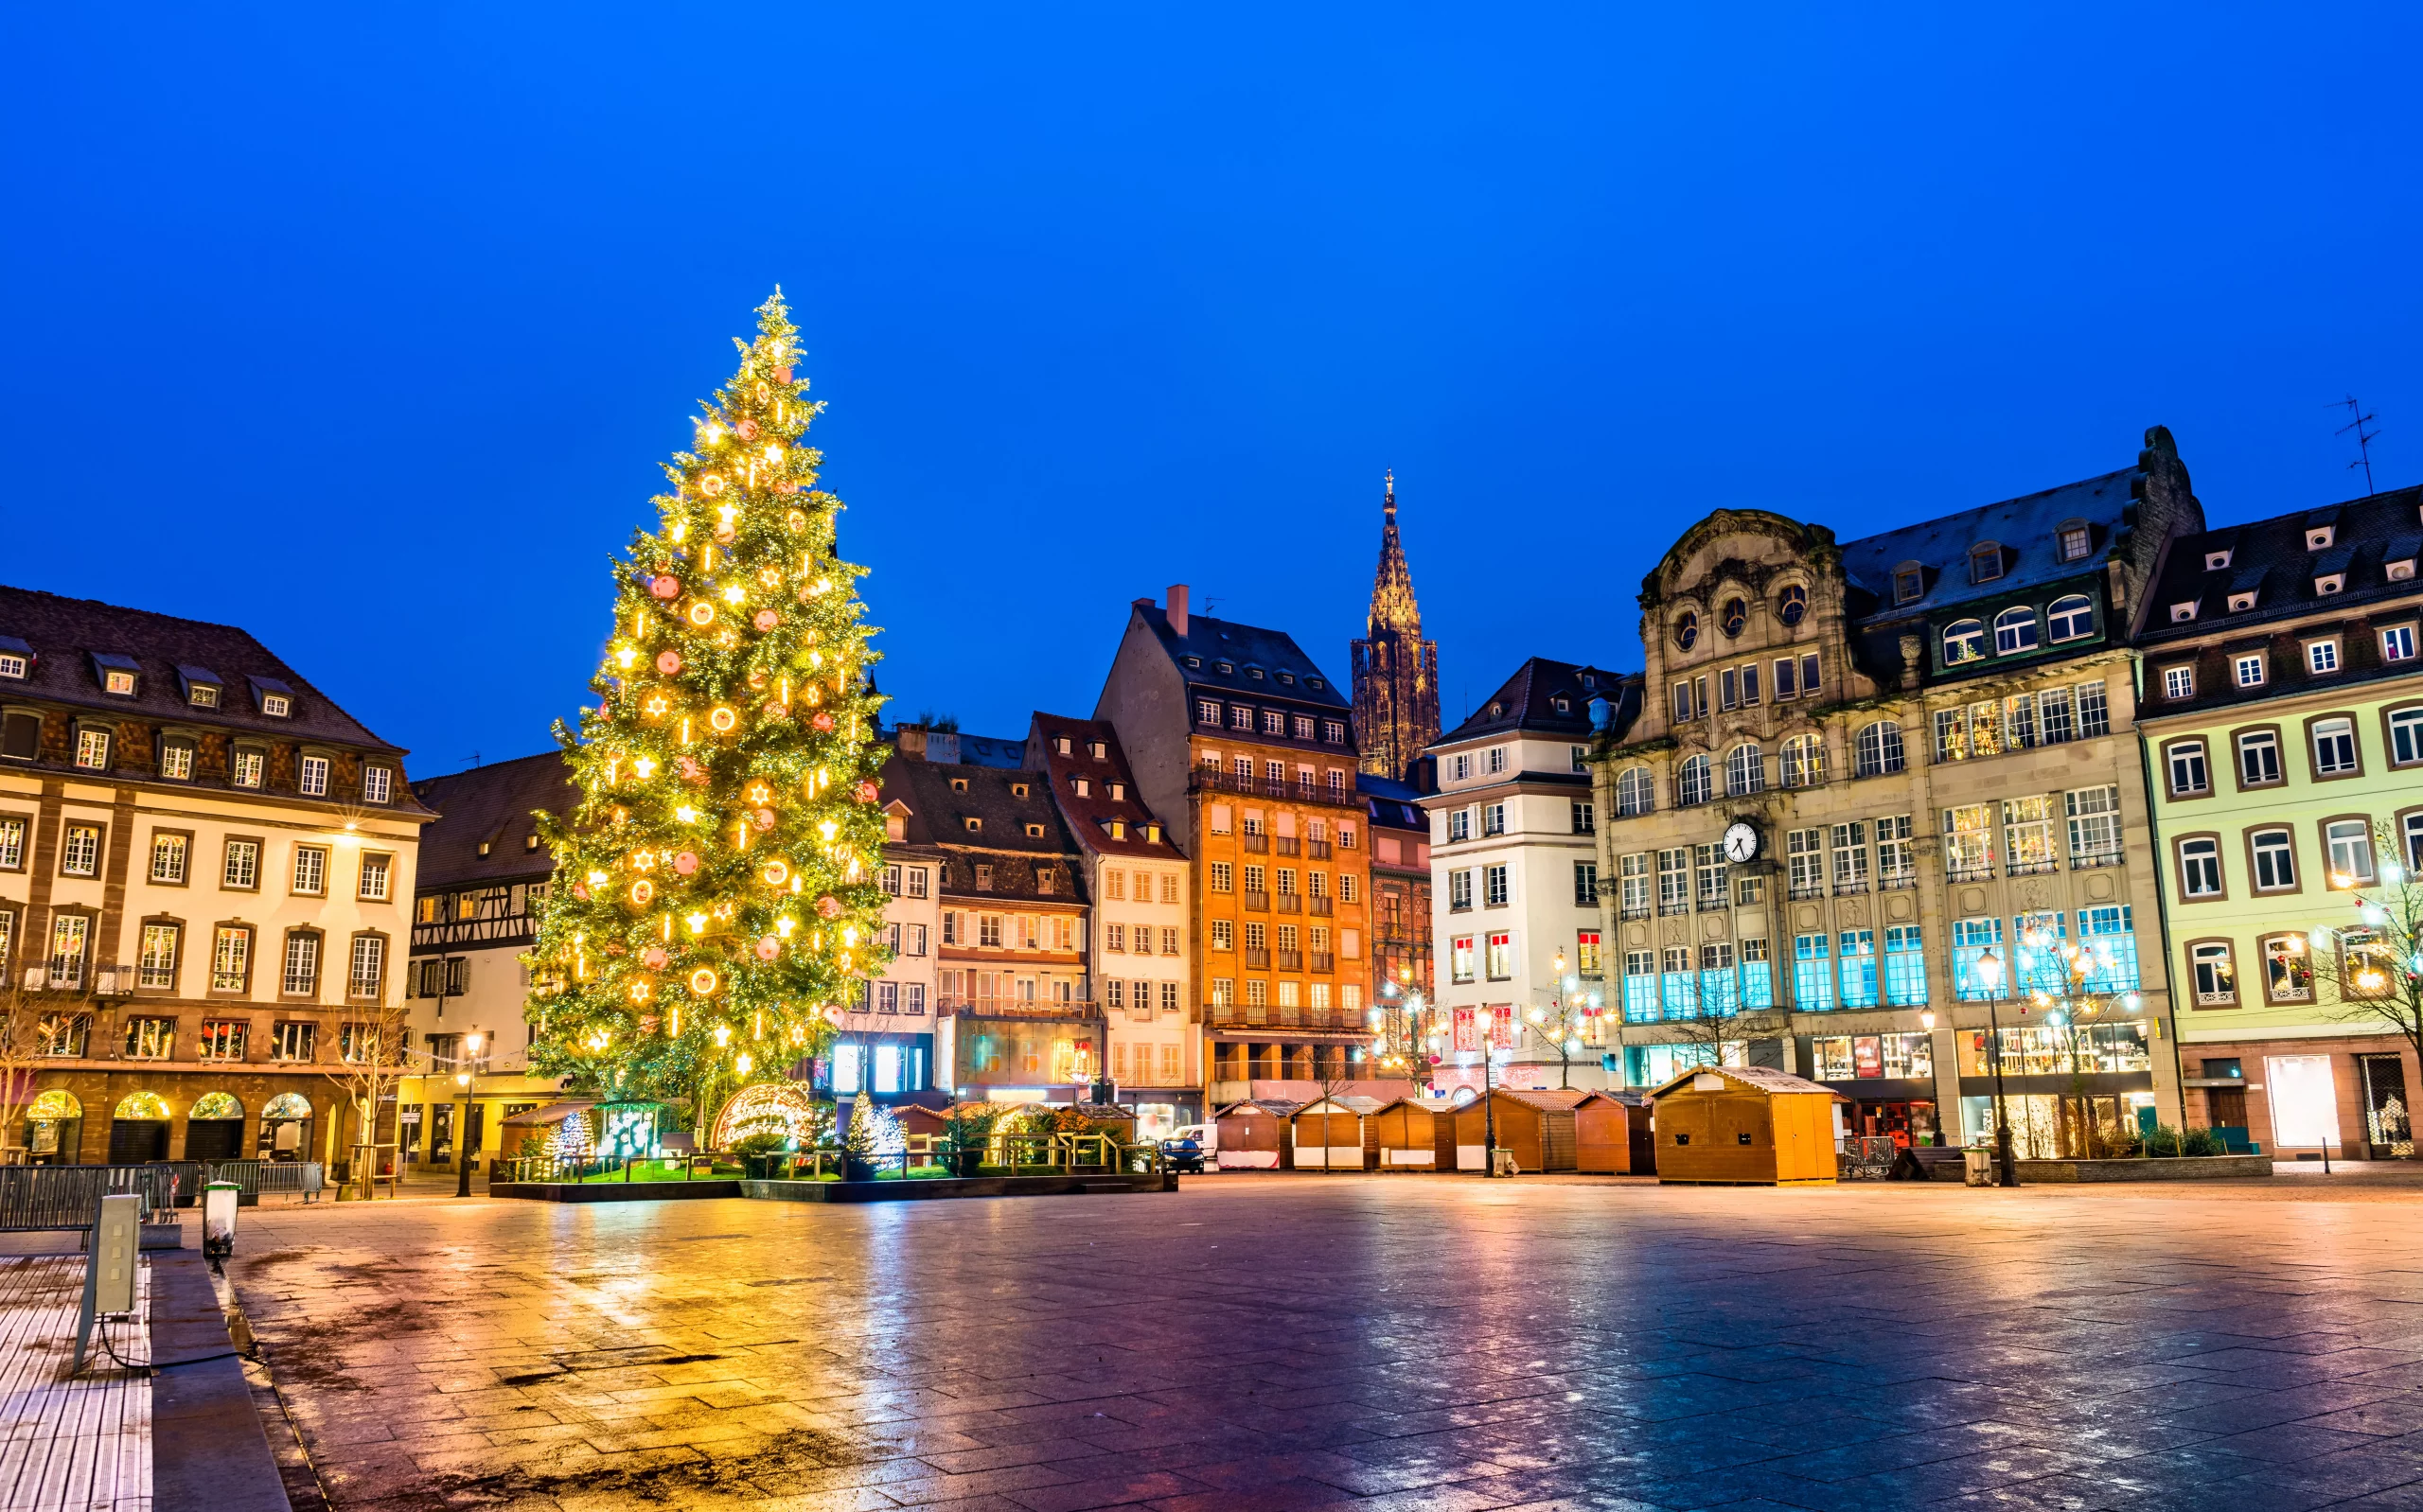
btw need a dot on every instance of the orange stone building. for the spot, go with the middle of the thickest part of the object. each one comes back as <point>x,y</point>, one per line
<point>1245,750</point>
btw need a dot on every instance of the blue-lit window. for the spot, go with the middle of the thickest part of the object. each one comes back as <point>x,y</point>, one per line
<point>1971,939</point>
<point>2111,940</point>
<point>1640,987</point>
<point>1757,975</point>
<point>1858,968</point>
<point>1813,981</point>
<point>1906,966</point>
<point>1717,994</point>
<point>1675,989</point>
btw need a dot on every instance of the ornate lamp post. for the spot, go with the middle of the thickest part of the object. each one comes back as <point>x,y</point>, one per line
<point>464,1154</point>
<point>1989,971</point>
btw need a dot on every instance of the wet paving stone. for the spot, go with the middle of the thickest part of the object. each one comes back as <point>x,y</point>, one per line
<point>1308,1345</point>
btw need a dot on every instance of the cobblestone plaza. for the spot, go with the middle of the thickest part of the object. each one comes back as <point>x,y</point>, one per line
<point>1390,1342</point>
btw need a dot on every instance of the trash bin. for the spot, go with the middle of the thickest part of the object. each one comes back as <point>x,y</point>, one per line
<point>1506,1165</point>
<point>1980,1165</point>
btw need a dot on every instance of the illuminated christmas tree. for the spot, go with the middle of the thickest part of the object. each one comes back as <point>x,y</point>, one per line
<point>715,897</point>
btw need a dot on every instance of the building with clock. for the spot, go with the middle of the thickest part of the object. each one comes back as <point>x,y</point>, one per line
<point>1875,787</point>
<point>1514,880</point>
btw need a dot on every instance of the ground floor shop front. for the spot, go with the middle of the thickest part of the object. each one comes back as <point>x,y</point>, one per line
<point>436,1119</point>
<point>2296,1097</point>
<point>129,1114</point>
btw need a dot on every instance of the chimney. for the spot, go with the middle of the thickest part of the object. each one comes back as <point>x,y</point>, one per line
<point>1178,608</point>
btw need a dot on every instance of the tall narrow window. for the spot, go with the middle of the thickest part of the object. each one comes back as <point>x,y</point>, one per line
<point>2275,861</point>
<point>2200,868</point>
<point>2258,759</point>
<point>1879,748</point>
<point>157,966</point>
<point>2334,747</point>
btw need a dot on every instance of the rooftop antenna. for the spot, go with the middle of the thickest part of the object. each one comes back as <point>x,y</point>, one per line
<point>2364,438</point>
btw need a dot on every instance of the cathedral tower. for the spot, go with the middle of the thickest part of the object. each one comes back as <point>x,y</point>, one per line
<point>1396,670</point>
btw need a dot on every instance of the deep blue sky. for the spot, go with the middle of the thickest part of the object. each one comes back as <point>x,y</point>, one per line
<point>368,333</point>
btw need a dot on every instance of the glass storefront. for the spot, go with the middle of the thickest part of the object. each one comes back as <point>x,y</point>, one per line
<point>2038,1049</point>
<point>1846,1057</point>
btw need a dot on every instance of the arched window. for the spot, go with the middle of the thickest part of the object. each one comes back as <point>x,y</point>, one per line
<point>1963,641</point>
<point>1695,784</point>
<point>2072,617</point>
<point>1686,629</point>
<point>1802,761</point>
<point>1736,615</point>
<point>1745,771</point>
<point>1636,793</point>
<point>2015,630</point>
<point>1879,748</point>
<point>212,1107</point>
<point>1792,604</point>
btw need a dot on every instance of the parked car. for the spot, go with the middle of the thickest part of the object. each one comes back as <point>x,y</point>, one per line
<point>1188,1149</point>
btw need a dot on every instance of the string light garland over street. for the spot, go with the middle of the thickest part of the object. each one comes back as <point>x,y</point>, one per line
<point>715,900</point>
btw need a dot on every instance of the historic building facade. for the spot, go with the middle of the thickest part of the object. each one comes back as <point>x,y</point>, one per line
<point>1241,747</point>
<point>205,874</point>
<point>1014,1017</point>
<point>1395,670</point>
<point>1514,903</point>
<point>2283,721</point>
<point>484,876</point>
<point>1138,880</point>
<point>1877,786</point>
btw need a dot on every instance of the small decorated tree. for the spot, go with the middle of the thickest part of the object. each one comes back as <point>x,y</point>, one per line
<point>716,906</point>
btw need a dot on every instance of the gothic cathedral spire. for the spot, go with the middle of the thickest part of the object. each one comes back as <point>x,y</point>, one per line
<point>1396,670</point>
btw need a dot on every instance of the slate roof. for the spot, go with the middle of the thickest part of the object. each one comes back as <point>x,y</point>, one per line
<point>939,814</point>
<point>67,637</point>
<point>1391,804</point>
<point>992,751</point>
<point>494,804</point>
<point>2269,558</point>
<point>1088,816</point>
<point>2024,527</point>
<point>1527,701</point>
<point>1245,648</point>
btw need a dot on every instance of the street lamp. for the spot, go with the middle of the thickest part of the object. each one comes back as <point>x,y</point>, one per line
<point>1990,971</point>
<point>463,1151</point>
<point>1483,1020</point>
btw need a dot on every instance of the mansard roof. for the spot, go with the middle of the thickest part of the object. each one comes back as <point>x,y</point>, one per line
<point>71,642</point>
<point>2025,529</point>
<point>1091,813</point>
<point>2271,559</point>
<point>1285,674</point>
<point>495,805</point>
<point>1527,701</point>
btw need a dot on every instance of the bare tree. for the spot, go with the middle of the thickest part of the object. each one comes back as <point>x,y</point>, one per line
<point>2373,966</point>
<point>1331,1074</point>
<point>374,1055</point>
<point>30,1023</point>
<point>1723,1020</point>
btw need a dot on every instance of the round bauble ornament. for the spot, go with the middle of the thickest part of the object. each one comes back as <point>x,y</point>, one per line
<point>701,613</point>
<point>712,484</point>
<point>807,594</point>
<point>686,863</point>
<point>782,373</point>
<point>766,619</point>
<point>829,905</point>
<point>796,520</point>
<point>580,890</point>
<point>747,430</point>
<point>768,947</point>
<point>763,819</point>
<point>642,890</point>
<point>776,872</point>
<point>653,957</point>
<point>723,719</point>
<point>786,486</point>
<point>690,770</point>
<point>665,586</point>
<point>724,533</point>
<point>822,720</point>
<point>775,709</point>
<point>756,676</point>
<point>668,662</point>
<point>702,981</point>
<point>864,792</point>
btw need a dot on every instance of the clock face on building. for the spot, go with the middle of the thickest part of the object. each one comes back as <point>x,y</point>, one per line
<point>1740,841</point>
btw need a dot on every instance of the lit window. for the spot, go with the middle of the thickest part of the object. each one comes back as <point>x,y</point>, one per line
<point>378,785</point>
<point>2179,682</point>
<point>176,760</point>
<point>1963,641</point>
<point>2216,979</point>
<point>2248,670</point>
<point>2398,643</point>
<point>311,779</point>
<point>244,769</point>
<point>92,747</point>
<point>2350,842</point>
<point>1696,784</point>
<point>80,850</point>
<point>2321,656</point>
<point>169,858</point>
<point>2071,618</point>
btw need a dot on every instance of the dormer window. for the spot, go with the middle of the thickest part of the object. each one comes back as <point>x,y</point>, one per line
<point>1060,745</point>
<point>1118,791</point>
<point>1312,682</point>
<point>1287,677</point>
<point>2214,561</point>
<point>1985,562</point>
<point>2240,603</point>
<point>1195,662</point>
<point>2329,583</point>
<point>1081,786</point>
<point>203,695</point>
<point>1909,583</point>
<point>2182,613</point>
<point>974,823</point>
<point>1116,829</point>
<point>530,841</point>
<point>1564,705</point>
<point>117,675</point>
<point>1046,879</point>
<point>275,699</point>
<point>1098,750</point>
<point>1151,832</point>
<point>1017,790</point>
<point>1225,668</point>
<point>1035,831</point>
<point>2072,540</point>
<point>1496,711</point>
<point>1255,673</point>
<point>959,785</point>
<point>2398,571</point>
<point>2319,538</point>
<point>16,659</point>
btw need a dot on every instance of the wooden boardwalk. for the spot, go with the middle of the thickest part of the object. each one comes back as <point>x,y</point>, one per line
<point>70,1445</point>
